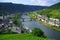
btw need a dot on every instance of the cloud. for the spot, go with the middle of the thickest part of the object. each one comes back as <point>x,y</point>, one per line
<point>44,2</point>
<point>41,2</point>
<point>33,2</point>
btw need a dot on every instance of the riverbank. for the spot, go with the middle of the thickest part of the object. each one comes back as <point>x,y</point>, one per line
<point>49,26</point>
<point>44,23</point>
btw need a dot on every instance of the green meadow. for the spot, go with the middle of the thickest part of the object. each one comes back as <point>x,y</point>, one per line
<point>20,37</point>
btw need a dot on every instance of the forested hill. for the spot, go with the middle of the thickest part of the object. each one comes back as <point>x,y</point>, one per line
<point>52,11</point>
<point>55,6</point>
<point>10,7</point>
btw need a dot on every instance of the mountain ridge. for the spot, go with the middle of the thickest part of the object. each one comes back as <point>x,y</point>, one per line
<point>52,11</point>
<point>11,7</point>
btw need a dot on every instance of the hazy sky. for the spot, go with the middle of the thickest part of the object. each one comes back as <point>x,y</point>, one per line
<point>33,2</point>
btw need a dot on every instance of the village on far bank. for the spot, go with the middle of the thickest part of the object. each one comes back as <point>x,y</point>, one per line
<point>53,22</point>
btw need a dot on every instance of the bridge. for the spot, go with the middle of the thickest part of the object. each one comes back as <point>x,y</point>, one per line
<point>23,19</point>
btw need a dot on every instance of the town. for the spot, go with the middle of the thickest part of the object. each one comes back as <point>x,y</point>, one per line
<point>51,21</point>
<point>7,23</point>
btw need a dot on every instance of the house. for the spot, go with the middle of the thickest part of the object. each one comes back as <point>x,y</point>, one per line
<point>44,18</point>
<point>1,17</point>
<point>39,17</point>
<point>10,24</point>
<point>54,22</point>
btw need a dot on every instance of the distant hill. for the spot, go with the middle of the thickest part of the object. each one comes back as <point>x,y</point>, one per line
<point>52,11</point>
<point>11,8</point>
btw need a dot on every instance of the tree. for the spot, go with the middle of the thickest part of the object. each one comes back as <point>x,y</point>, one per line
<point>37,32</point>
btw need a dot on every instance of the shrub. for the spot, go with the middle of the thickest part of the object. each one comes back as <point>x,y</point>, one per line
<point>37,32</point>
<point>9,31</point>
<point>0,31</point>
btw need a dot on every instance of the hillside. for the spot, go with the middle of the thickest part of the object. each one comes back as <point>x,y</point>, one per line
<point>20,37</point>
<point>13,8</point>
<point>52,11</point>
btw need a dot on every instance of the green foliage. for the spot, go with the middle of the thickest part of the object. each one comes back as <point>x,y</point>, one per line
<point>8,31</point>
<point>10,17</point>
<point>21,37</point>
<point>37,32</point>
<point>32,15</point>
<point>17,16</point>
<point>1,32</point>
<point>52,11</point>
<point>19,22</point>
<point>16,20</point>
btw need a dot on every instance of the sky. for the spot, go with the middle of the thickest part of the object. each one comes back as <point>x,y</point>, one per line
<point>33,2</point>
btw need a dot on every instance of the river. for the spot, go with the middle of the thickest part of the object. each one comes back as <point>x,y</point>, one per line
<point>47,31</point>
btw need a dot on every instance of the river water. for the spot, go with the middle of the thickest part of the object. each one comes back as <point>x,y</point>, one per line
<point>47,31</point>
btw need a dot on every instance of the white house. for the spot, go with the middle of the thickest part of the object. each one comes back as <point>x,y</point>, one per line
<point>54,22</point>
<point>44,18</point>
<point>39,17</point>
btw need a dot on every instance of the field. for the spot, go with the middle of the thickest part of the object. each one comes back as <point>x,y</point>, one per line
<point>20,37</point>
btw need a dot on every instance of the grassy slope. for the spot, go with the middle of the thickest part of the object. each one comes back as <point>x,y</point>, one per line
<point>20,37</point>
<point>55,10</point>
<point>52,11</point>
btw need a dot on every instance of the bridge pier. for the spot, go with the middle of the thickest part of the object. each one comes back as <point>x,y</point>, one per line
<point>23,20</point>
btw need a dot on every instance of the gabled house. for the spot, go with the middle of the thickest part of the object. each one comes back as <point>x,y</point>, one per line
<point>44,18</point>
<point>39,17</point>
<point>54,22</point>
